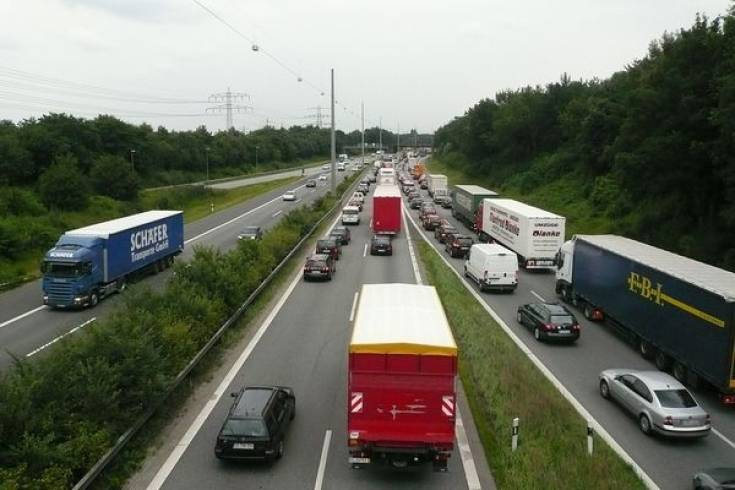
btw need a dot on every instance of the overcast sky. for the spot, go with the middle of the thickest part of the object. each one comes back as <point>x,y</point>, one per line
<point>417,63</point>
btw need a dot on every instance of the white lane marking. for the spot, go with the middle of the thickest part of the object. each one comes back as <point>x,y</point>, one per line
<point>276,213</point>
<point>414,262</point>
<point>722,436</point>
<point>222,225</point>
<point>647,481</point>
<point>354,305</point>
<point>48,344</point>
<point>364,250</point>
<point>323,460</point>
<point>23,315</point>
<point>465,453</point>
<point>540,298</point>
<point>297,200</point>
<point>194,428</point>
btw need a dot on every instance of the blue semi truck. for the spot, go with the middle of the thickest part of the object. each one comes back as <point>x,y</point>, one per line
<point>90,263</point>
<point>675,310</point>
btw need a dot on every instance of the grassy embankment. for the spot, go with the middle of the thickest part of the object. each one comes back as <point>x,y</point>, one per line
<point>502,383</point>
<point>195,201</point>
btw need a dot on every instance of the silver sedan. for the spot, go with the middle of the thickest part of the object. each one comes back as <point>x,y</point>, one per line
<point>660,403</point>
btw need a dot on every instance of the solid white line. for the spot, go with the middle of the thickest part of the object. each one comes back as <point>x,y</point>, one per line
<point>354,305</point>
<point>186,440</point>
<point>647,481</point>
<point>276,213</point>
<point>323,460</point>
<point>34,352</point>
<point>20,317</point>
<point>722,436</point>
<point>364,251</point>
<point>465,453</point>
<point>540,298</point>
<point>222,225</point>
<point>414,262</point>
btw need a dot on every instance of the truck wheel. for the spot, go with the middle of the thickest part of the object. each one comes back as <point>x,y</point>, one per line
<point>680,372</point>
<point>646,349</point>
<point>565,294</point>
<point>663,362</point>
<point>94,299</point>
<point>587,311</point>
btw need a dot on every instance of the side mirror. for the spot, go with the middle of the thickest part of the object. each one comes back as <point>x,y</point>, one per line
<point>234,394</point>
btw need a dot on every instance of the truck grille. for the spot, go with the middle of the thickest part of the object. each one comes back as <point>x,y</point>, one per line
<point>59,292</point>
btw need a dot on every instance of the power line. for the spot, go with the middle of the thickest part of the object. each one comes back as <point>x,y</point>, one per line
<point>229,105</point>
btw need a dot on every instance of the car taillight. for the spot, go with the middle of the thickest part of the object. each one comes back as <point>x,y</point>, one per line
<point>325,269</point>
<point>707,418</point>
<point>575,327</point>
<point>668,420</point>
<point>549,326</point>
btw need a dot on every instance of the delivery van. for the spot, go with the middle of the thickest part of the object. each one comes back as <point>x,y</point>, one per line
<point>492,266</point>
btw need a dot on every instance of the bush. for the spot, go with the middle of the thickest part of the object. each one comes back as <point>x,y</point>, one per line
<point>112,176</point>
<point>63,186</point>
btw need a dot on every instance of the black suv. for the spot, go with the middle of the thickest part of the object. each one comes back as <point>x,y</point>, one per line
<point>342,233</point>
<point>256,425</point>
<point>319,265</point>
<point>441,232</point>
<point>329,246</point>
<point>459,245</point>
<point>549,321</point>
<point>381,245</point>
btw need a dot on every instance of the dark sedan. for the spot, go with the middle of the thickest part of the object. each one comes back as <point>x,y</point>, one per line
<point>549,321</point>
<point>444,229</point>
<point>458,245</point>
<point>381,245</point>
<point>251,233</point>
<point>319,266</point>
<point>342,233</point>
<point>431,222</point>
<point>329,246</point>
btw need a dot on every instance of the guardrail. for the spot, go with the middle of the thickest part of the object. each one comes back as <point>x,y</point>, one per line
<point>107,458</point>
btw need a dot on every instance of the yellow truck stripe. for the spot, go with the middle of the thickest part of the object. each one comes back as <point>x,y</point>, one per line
<point>692,310</point>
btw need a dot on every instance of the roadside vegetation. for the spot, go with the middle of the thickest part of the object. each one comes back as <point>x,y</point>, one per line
<point>501,384</point>
<point>62,411</point>
<point>647,153</point>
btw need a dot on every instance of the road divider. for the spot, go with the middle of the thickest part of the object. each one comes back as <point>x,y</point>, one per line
<point>49,344</point>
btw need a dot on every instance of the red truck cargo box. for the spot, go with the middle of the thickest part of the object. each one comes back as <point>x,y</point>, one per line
<point>387,210</point>
<point>402,375</point>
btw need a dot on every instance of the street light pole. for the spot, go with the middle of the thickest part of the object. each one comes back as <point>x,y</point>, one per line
<point>334,143</point>
<point>206,152</point>
<point>132,161</point>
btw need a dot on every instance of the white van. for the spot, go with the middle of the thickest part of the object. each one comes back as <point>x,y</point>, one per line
<point>492,267</point>
<point>350,215</point>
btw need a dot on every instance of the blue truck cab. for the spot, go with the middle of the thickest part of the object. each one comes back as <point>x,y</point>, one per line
<point>90,263</point>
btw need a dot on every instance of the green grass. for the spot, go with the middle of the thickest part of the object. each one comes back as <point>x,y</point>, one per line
<point>501,383</point>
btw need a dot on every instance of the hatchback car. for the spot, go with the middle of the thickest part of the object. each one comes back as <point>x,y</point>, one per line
<point>343,233</point>
<point>431,221</point>
<point>426,209</point>
<point>441,231</point>
<point>661,404</point>
<point>329,246</point>
<point>458,245</point>
<point>289,196</point>
<point>311,183</point>
<point>319,266</point>
<point>256,425</point>
<point>381,245</point>
<point>549,321</point>
<point>250,233</point>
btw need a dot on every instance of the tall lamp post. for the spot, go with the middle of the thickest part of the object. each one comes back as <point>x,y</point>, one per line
<point>132,160</point>
<point>206,153</point>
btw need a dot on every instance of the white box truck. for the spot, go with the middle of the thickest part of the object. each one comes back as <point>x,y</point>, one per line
<point>437,182</point>
<point>532,233</point>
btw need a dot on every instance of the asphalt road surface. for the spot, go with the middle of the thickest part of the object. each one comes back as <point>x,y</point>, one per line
<point>305,347</point>
<point>27,328</point>
<point>670,463</point>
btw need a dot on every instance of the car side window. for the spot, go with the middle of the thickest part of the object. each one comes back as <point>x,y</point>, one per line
<point>640,388</point>
<point>628,380</point>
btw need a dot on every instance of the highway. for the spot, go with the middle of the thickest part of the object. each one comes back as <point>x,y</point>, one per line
<point>670,463</point>
<point>232,184</point>
<point>303,344</point>
<point>27,328</point>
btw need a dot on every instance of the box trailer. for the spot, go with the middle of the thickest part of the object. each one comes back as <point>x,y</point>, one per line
<point>419,169</point>
<point>676,310</point>
<point>90,263</point>
<point>467,200</point>
<point>387,209</point>
<point>401,400</point>
<point>533,234</point>
<point>437,183</point>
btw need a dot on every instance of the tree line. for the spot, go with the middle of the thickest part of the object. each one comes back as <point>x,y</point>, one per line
<point>651,149</point>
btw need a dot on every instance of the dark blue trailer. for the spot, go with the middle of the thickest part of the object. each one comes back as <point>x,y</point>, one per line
<point>680,312</point>
<point>90,263</point>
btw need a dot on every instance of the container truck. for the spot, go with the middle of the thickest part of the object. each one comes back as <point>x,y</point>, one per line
<point>387,210</point>
<point>402,378</point>
<point>418,170</point>
<point>533,234</point>
<point>90,263</point>
<point>675,310</point>
<point>467,200</point>
<point>437,182</point>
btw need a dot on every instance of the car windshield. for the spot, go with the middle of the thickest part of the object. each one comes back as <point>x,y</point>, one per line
<point>464,241</point>
<point>675,399</point>
<point>381,240</point>
<point>250,230</point>
<point>315,263</point>
<point>350,211</point>
<point>562,320</point>
<point>63,269</point>
<point>325,243</point>
<point>245,427</point>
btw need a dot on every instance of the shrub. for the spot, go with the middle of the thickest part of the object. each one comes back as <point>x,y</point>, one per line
<point>63,186</point>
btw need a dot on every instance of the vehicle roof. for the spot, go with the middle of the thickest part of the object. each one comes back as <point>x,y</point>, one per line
<point>107,228</point>
<point>326,239</point>
<point>387,190</point>
<point>250,227</point>
<point>555,309</point>
<point>523,208</point>
<point>492,249</point>
<point>710,278</point>
<point>253,401</point>
<point>401,319</point>
<point>316,257</point>
<point>658,380</point>
<point>475,190</point>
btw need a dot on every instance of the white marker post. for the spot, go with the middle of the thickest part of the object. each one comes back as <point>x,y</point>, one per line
<point>590,439</point>
<point>514,437</point>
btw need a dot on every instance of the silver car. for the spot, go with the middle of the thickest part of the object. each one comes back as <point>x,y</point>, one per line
<point>661,404</point>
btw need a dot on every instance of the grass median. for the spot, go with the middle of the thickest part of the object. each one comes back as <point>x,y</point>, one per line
<point>501,383</point>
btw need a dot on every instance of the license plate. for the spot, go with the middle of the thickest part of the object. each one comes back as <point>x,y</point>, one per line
<point>358,460</point>
<point>243,445</point>
<point>690,423</point>
<point>563,331</point>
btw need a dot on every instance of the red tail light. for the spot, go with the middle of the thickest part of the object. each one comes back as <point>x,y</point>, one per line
<point>575,327</point>
<point>549,326</point>
<point>325,269</point>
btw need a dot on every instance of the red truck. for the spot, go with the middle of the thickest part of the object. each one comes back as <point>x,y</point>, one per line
<point>387,210</point>
<point>401,396</point>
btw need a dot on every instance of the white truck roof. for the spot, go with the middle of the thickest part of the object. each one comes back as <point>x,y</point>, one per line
<point>401,319</point>
<point>475,190</point>
<point>107,228</point>
<point>387,190</point>
<point>708,277</point>
<point>523,209</point>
